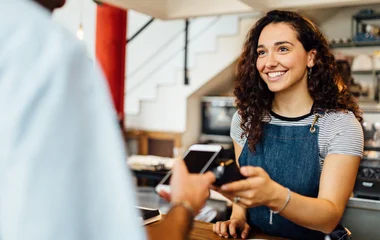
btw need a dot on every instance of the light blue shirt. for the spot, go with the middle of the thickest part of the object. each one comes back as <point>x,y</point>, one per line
<point>63,172</point>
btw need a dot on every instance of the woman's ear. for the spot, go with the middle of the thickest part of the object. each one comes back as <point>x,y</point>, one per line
<point>311,58</point>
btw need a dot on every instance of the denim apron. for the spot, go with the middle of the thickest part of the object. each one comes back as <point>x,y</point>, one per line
<point>290,155</point>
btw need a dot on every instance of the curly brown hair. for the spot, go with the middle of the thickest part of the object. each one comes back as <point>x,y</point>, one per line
<point>325,85</point>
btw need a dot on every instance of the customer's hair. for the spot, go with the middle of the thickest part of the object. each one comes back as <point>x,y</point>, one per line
<point>325,85</point>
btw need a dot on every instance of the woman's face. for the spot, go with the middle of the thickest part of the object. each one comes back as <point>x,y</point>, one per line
<point>282,61</point>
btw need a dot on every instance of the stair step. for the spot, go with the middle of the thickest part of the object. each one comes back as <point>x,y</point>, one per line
<point>166,95</point>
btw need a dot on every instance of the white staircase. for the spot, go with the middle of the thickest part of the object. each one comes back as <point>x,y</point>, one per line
<point>156,97</point>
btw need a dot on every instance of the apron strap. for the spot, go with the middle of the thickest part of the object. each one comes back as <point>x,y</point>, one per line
<point>316,117</point>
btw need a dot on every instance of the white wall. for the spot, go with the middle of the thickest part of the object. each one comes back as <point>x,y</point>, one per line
<point>72,14</point>
<point>156,56</point>
<point>215,42</point>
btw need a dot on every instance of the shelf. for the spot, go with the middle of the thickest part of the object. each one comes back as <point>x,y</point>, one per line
<point>356,44</point>
<point>366,72</point>
<point>367,179</point>
<point>360,17</point>
<point>370,108</point>
<point>371,148</point>
<point>153,175</point>
<point>367,160</point>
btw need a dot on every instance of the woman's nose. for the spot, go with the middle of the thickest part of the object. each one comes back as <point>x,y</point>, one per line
<point>271,61</point>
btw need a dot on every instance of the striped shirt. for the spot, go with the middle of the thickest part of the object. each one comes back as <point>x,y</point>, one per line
<point>339,132</point>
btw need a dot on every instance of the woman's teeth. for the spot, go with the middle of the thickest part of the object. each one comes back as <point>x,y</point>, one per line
<point>275,74</point>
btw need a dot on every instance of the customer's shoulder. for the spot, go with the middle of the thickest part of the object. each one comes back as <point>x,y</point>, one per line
<point>35,29</point>
<point>36,49</point>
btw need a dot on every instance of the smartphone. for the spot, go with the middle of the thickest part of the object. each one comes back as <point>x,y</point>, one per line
<point>227,171</point>
<point>199,158</point>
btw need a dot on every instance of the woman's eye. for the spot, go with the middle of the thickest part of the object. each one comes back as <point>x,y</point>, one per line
<point>261,52</point>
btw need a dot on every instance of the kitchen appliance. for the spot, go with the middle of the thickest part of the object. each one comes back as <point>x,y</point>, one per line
<point>217,113</point>
<point>367,183</point>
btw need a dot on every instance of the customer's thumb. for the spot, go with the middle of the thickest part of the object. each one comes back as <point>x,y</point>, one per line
<point>179,168</point>
<point>209,177</point>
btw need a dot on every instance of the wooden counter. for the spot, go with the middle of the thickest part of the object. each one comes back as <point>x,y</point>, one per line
<point>203,231</point>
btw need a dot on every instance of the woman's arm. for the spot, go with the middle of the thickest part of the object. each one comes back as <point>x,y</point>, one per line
<point>336,184</point>
<point>238,149</point>
<point>322,213</point>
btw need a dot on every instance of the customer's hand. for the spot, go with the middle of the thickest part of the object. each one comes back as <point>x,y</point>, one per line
<point>192,188</point>
<point>232,227</point>
<point>257,190</point>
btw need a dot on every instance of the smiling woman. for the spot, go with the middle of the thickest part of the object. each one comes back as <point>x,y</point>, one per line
<point>296,134</point>
<point>281,64</point>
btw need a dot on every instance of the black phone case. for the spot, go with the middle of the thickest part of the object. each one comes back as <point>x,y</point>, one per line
<point>226,174</point>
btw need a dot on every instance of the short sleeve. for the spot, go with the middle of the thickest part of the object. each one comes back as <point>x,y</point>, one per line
<point>236,130</point>
<point>346,136</point>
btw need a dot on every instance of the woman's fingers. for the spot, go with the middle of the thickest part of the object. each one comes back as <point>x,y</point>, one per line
<point>224,229</point>
<point>245,231</point>
<point>256,177</point>
<point>232,229</point>
<point>229,228</point>
<point>245,194</point>
<point>243,202</point>
<point>244,198</point>
<point>217,229</point>
<point>243,185</point>
<point>250,171</point>
<point>236,186</point>
<point>221,228</point>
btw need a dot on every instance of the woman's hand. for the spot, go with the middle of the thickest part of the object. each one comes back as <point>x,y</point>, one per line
<point>231,227</point>
<point>257,190</point>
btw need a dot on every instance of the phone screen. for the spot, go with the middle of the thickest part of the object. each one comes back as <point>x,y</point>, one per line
<point>197,162</point>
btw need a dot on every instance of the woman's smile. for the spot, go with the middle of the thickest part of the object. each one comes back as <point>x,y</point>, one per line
<point>275,75</point>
